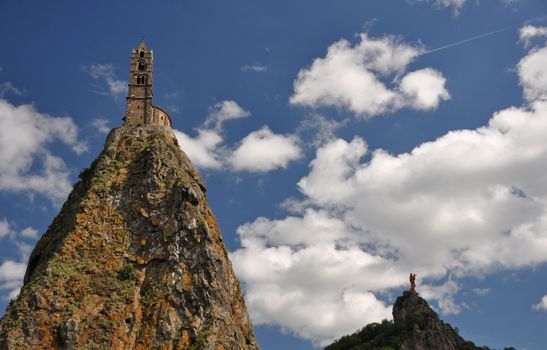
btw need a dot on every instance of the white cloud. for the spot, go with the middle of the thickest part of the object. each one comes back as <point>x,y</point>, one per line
<point>4,228</point>
<point>296,277</point>
<point>468,203</point>
<point>481,291</point>
<point>454,4</point>
<point>448,199</point>
<point>101,125</point>
<point>532,74</point>
<point>260,151</point>
<point>223,111</point>
<point>424,89</point>
<point>29,232</point>
<point>104,74</point>
<point>203,150</point>
<point>330,168</point>
<point>25,250</point>
<point>12,272</point>
<point>529,32</point>
<point>263,151</point>
<point>542,305</point>
<point>26,164</point>
<point>444,295</point>
<point>11,277</point>
<point>321,128</point>
<point>8,87</point>
<point>353,77</point>
<point>254,68</point>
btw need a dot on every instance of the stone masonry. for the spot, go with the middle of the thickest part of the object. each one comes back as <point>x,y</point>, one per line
<point>140,110</point>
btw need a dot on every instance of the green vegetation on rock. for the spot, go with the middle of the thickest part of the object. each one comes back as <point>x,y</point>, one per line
<point>415,326</point>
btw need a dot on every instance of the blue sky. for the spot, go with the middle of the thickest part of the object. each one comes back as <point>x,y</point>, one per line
<point>340,154</point>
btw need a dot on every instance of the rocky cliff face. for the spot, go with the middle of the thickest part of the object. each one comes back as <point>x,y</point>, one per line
<point>134,260</point>
<point>415,326</point>
<point>424,328</point>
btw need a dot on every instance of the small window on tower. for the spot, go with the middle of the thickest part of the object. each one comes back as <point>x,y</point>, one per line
<point>141,54</point>
<point>142,65</point>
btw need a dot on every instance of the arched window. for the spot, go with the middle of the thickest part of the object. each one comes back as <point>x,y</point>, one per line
<point>142,65</point>
<point>138,79</point>
<point>141,54</point>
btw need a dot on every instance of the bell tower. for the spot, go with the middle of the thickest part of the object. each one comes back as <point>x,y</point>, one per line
<point>139,96</point>
<point>140,110</point>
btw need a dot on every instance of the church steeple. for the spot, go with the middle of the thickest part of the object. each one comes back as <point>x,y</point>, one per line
<point>140,110</point>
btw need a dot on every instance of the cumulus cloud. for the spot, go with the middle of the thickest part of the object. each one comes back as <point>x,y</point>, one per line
<point>263,151</point>
<point>4,228</point>
<point>223,111</point>
<point>206,150</point>
<point>529,32</point>
<point>532,75</point>
<point>468,203</point>
<point>11,277</point>
<point>444,295</point>
<point>26,163</point>
<point>260,151</point>
<point>203,149</point>
<point>297,277</point>
<point>105,76</point>
<point>29,232</point>
<point>424,89</point>
<point>11,271</point>
<point>542,305</point>
<point>365,79</point>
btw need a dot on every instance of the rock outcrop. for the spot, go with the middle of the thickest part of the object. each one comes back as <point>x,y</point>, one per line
<point>134,260</point>
<point>423,327</point>
<point>415,326</point>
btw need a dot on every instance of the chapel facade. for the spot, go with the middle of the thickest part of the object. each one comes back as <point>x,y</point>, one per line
<point>139,108</point>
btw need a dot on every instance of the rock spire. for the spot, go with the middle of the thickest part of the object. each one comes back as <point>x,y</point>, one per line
<point>134,260</point>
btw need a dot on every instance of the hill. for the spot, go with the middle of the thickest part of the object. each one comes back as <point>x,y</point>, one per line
<point>415,326</point>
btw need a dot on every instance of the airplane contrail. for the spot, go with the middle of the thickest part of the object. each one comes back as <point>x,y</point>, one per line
<point>471,39</point>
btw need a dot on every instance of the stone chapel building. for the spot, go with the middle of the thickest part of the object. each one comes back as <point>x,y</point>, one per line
<point>140,110</point>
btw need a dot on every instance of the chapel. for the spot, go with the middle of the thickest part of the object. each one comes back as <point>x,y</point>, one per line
<point>140,110</point>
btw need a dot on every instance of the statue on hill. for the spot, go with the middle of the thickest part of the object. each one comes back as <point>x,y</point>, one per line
<point>412,279</point>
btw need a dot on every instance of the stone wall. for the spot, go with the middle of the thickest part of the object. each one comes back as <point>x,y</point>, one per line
<point>160,117</point>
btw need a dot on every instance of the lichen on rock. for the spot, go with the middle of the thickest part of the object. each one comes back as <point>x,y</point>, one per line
<point>134,260</point>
